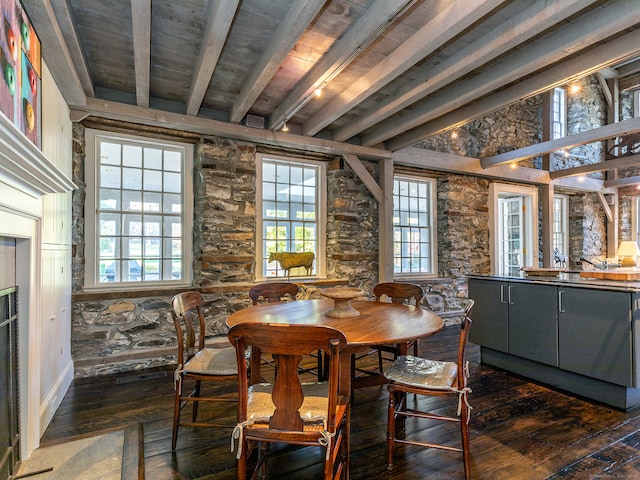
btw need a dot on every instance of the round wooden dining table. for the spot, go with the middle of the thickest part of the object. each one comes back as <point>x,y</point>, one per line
<point>378,323</point>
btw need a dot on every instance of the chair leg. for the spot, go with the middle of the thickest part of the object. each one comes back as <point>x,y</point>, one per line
<point>464,430</point>
<point>176,413</point>
<point>391,428</point>
<point>196,393</point>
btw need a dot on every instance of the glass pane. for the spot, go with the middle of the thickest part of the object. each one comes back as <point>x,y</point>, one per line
<point>172,182</point>
<point>132,271</point>
<point>268,172</point>
<point>109,199</point>
<point>108,247</point>
<point>131,201</point>
<point>109,153</point>
<point>152,158</point>
<point>269,191</point>
<point>132,156</point>
<point>131,247</point>
<point>172,203</point>
<point>151,270</point>
<point>109,271</point>
<point>172,227</point>
<point>152,248</point>
<point>132,178</point>
<point>172,161</point>
<point>153,180</point>
<point>132,225</point>
<point>172,247</point>
<point>109,176</point>
<point>152,202</point>
<point>109,224</point>
<point>152,226</point>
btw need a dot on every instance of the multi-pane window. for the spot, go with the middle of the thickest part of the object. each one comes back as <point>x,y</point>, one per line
<point>290,202</point>
<point>413,226</point>
<point>558,114</point>
<point>560,224</point>
<point>142,204</point>
<point>511,235</point>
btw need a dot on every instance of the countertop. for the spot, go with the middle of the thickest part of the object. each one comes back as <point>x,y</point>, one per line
<point>569,279</point>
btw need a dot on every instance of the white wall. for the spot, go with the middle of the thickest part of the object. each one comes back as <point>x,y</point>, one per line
<point>56,371</point>
<point>35,208</point>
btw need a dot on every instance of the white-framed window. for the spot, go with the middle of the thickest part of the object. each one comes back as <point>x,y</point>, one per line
<point>513,217</point>
<point>291,214</point>
<point>561,224</point>
<point>636,103</point>
<point>635,218</point>
<point>558,114</point>
<point>414,226</point>
<point>138,212</point>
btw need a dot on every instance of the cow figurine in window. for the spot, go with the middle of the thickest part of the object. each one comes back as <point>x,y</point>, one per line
<point>289,260</point>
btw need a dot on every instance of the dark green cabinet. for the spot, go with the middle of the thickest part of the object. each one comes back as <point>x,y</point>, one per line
<point>533,331</point>
<point>490,314</point>
<point>595,334</point>
<point>516,318</point>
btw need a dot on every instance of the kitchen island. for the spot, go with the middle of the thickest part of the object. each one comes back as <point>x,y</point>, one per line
<point>574,333</point>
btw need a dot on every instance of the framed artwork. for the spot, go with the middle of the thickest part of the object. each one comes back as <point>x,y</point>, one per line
<point>20,79</point>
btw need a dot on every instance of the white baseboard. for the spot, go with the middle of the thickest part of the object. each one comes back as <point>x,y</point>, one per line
<point>54,396</point>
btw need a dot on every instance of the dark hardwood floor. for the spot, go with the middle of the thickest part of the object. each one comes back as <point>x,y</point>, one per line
<point>519,430</point>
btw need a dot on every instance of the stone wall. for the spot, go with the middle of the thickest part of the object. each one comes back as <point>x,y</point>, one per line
<point>119,332</point>
<point>124,331</point>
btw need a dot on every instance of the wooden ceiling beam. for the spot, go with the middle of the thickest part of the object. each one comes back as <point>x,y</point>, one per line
<point>622,162</point>
<point>76,51</point>
<point>299,16</point>
<point>514,31</point>
<point>625,127</point>
<point>218,26</point>
<point>141,26</point>
<point>444,112</point>
<point>203,126</point>
<point>622,182</point>
<point>56,55</point>
<point>447,162</point>
<point>374,21</point>
<point>454,107</point>
<point>454,19</point>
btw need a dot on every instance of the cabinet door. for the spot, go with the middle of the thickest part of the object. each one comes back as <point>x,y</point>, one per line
<point>594,334</point>
<point>490,314</point>
<point>533,329</point>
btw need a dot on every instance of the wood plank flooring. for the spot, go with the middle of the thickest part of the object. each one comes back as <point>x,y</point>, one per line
<point>519,430</point>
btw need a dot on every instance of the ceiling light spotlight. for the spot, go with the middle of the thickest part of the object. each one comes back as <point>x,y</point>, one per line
<point>284,127</point>
<point>574,89</point>
<point>454,135</point>
<point>318,91</point>
<point>514,165</point>
<point>566,153</point>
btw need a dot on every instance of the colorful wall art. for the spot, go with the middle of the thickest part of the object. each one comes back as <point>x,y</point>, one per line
<point>20,49</point>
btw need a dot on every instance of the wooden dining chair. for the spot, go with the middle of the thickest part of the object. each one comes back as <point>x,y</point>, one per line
<point>277,292</point>
<point>396,292</point>
<point>196,362</point>
<point>411,374</point>
<point>288,411</point>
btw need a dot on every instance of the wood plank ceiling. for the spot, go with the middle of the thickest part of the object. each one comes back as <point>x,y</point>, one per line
<point>391,72</point>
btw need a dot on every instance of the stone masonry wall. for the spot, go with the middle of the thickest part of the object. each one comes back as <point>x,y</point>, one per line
<point>119,332</point>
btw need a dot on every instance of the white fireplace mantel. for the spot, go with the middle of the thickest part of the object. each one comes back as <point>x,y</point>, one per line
<point>24,166</point>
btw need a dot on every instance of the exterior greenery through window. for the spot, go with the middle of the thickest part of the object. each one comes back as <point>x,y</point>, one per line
<point>291,195</point>
<point>413,226</point>
<point>139,202</point>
